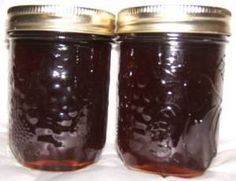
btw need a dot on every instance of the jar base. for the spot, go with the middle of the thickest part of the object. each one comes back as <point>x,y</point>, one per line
<point>52,165</point>
<point>167,170</point>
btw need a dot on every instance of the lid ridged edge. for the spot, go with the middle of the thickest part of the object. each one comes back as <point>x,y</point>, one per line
<point>60,18</point>
<point>174,18</point>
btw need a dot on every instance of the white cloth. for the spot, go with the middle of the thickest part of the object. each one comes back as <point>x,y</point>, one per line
<point>111,168</point>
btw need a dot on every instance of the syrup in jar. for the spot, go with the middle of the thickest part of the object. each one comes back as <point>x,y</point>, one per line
<point>170,88</point>
<point>59,85</point>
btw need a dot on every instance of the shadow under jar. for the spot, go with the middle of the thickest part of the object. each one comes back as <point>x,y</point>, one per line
<point>170,87</point>
<point>59,79</point>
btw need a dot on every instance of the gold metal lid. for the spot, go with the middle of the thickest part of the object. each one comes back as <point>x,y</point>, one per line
<point>174,18</point>
<point>60,18</point>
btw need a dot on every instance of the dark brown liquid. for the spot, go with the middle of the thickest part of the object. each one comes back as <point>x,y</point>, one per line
<point>59,98</point>
<point>170,88</point>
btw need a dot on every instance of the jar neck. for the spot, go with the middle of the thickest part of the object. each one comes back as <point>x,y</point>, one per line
<point>51,35</point>
<point>150,37</point>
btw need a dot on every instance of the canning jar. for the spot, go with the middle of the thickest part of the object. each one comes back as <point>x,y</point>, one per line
<point>59,77</point>
<point>170,86</point>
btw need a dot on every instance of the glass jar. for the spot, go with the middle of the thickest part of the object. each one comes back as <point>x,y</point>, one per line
<point>59,77</point>
<point>170,87</point>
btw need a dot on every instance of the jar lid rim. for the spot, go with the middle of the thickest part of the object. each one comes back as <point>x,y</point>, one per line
<point>174,18</point>
<point>66,18</point>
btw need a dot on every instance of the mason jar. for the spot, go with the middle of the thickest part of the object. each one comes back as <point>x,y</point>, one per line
<point>170,86</point>
<point>59,77</point>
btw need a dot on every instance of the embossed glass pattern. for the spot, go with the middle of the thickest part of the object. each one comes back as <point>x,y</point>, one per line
<point>59,98</point>
<point>170,94</point>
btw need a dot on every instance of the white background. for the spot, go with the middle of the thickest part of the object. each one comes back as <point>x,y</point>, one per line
<point>110,167</point>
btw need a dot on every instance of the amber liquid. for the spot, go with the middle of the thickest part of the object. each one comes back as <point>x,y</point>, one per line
<point>170,88</point>
<point>59,99</point>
